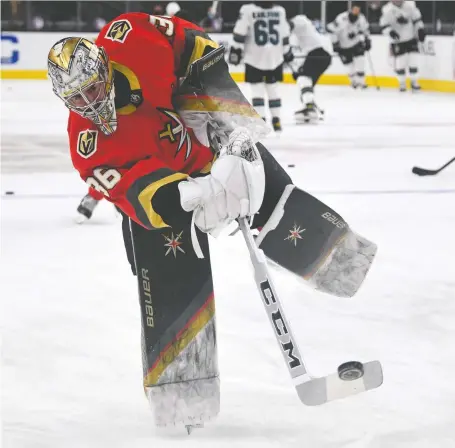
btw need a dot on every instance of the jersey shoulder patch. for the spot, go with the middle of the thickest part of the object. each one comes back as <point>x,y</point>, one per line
<point>87,143</point>
<point>119,30</point>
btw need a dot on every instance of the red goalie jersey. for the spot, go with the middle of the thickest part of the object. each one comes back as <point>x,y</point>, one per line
<point>151,149</point>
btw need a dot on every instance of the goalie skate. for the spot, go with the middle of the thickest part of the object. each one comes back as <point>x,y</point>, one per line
<point>86,208</point>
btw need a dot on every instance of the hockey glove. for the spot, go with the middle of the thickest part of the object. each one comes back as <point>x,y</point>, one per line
<point>394,35</point>
<point>367,44</point>
<point>235,55</point>
<point>233,189</point>
<point>421,34</point>
<point>289,56</point>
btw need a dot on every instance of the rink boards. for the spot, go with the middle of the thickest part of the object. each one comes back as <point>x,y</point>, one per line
<point>24,57</point>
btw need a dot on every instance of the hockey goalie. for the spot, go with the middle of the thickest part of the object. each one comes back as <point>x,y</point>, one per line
<point>157,125</point>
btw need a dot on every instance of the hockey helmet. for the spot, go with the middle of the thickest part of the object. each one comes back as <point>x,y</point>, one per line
<point>82,77</point>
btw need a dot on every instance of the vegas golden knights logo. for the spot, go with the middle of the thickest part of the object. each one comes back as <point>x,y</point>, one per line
<point>86,143</point>
<point>119,30</point>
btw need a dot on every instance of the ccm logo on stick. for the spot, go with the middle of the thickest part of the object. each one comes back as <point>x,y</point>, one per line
<point>280,328</point>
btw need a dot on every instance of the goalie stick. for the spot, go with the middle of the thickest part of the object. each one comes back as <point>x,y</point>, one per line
<point>424,172</point>
<point>351,377</point>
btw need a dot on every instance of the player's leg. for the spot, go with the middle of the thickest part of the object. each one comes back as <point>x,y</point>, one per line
<point>359,65</point>
<point>306,76</point>
<point>254,77</point>
<point>347,58</point>
<point>181,377</point>
<point>400,70</point>
<point>322,61</point>
<point>401,60</point>
<point>413,61</point>
<point>308,238</point>
<point>88,204</point>
<point>274,77</point>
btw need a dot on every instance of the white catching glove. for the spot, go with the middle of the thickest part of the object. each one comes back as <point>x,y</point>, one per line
<point>234,188</point>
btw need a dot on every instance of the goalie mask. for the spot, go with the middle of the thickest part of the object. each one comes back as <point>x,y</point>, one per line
<point>82,78</point>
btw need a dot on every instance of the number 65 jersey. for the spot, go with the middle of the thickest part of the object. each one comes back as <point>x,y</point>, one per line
<point>264,33</point>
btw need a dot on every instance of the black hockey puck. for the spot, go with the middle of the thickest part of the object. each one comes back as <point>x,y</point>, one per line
<point>9,193</point>
<point>291,165</point>
<point>350,371</point>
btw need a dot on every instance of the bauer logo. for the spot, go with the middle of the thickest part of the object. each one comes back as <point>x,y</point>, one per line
<point>87,143</point>
<point>119,30</point>
<point>334,220</point>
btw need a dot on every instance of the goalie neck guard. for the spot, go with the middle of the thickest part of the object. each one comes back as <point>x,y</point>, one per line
<point>82,77</point>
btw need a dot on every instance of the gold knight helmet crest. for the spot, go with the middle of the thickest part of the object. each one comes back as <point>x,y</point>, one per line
<point>119,30</point>
<point>87,143</point>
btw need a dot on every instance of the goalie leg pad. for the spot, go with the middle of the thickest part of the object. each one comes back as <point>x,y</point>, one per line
<point>313,241</point>
<point>181,377</point>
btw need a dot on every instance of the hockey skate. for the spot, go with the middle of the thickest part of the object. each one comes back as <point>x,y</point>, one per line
<point>276,124</point>
<point>310,113</point>
<point>85,209</point>
<point>403,88</point>
<point>415,87</point>
<point>191,428</point>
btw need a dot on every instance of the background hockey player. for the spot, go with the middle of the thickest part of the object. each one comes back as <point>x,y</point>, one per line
<point>315,63</point>
<point>261,40</point>
<point>350,37</point>
<point>402,22</point>
<point>131,139</point>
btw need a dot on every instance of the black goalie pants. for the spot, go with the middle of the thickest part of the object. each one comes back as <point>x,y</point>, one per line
<point>176,292</point>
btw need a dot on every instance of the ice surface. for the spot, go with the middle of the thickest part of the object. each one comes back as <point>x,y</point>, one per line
<point>70,318</point>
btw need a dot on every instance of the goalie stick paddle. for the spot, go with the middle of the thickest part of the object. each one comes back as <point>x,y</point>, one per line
<point>424,172</point>
<point>350,379</point>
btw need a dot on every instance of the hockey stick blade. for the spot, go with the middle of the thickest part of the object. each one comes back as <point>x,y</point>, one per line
<point>423,172</point>
<point>318,391</point>
<point>311,391</point>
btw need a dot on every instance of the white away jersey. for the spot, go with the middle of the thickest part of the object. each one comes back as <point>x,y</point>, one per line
<point>263,33</point>
<point>405,20</point>
<point>345,32</point>
<point>306,35</point>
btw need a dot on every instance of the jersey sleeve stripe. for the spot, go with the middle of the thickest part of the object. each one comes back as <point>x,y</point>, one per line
<point>141,193</point>
<point>197,44</point>
<point>239,38</point>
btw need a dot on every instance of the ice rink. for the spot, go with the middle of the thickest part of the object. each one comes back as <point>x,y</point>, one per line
<point>71,360</point>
